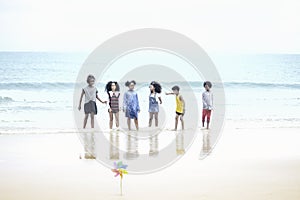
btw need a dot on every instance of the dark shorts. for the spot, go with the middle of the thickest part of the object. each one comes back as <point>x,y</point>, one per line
<point>90,107</point>
<point>178,113</point>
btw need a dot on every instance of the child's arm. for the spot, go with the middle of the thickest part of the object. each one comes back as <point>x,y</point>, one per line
<point>203,100</point>
<point>100,99</point>
<point>138,104</point>
<point>183,102</point>
<point>212,101</point>
<point>80,100</point>
<point>109,107</point>
<point>124,102</point>
<point>169,93</point>
<point>160,101</point>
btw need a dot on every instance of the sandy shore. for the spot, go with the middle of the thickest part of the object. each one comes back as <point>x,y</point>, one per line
<point>252,163</point>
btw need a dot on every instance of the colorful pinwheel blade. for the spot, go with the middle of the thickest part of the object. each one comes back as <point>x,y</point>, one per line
<point>124,166</point>
<point>123,171</point>
<point>119,169</point>
<point>119,164</point>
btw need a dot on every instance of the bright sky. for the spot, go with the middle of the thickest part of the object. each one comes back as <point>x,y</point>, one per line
<point>254,26</point>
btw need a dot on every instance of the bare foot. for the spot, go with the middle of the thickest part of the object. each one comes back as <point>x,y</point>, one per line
<point>89,156</point>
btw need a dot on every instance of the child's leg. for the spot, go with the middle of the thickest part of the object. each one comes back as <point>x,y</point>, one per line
<point>85,142</point>
<point>136,124</point>
<point>92,146</point>
<point>128,123</point>
<point>111,118</point>
<point>176,122</point>
<point>203,116</point>
<point>208,118</point>
<point>150,118</point>
<point>117,119</point>
<point>92,119</point>
<point>85,120</point>
<point>182,122</point>
<point>156,119</point>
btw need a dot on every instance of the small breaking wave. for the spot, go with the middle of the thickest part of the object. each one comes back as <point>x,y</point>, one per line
<point>5,99</point>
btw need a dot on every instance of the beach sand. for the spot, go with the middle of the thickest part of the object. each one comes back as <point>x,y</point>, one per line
<point>247,163</point>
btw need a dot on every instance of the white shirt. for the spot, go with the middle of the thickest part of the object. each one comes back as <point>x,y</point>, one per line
<point>90,94</point>
<point>157,96</point>
<point>207,100</point>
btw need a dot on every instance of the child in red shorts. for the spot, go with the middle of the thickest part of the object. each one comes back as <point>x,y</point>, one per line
<point>207,99</point>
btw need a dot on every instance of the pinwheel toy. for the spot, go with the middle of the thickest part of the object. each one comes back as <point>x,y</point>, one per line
<point>119,170</point>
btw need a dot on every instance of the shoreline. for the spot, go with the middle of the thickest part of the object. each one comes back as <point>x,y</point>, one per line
<point>242,124</point>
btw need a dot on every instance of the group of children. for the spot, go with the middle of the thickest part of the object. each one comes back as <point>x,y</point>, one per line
<point>131,103</point>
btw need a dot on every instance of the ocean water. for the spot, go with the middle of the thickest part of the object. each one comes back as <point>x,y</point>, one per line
<point>36,90</point>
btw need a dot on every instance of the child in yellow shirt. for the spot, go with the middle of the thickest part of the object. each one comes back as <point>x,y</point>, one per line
<point>180,106</point>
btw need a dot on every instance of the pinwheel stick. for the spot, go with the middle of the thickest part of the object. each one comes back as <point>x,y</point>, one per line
<point>119,170</point>
<point>121,187</point>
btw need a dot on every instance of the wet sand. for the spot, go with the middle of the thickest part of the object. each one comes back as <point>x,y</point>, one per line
<point>249,163</point>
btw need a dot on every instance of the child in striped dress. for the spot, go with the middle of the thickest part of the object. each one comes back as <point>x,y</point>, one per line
<point>113,90</point>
